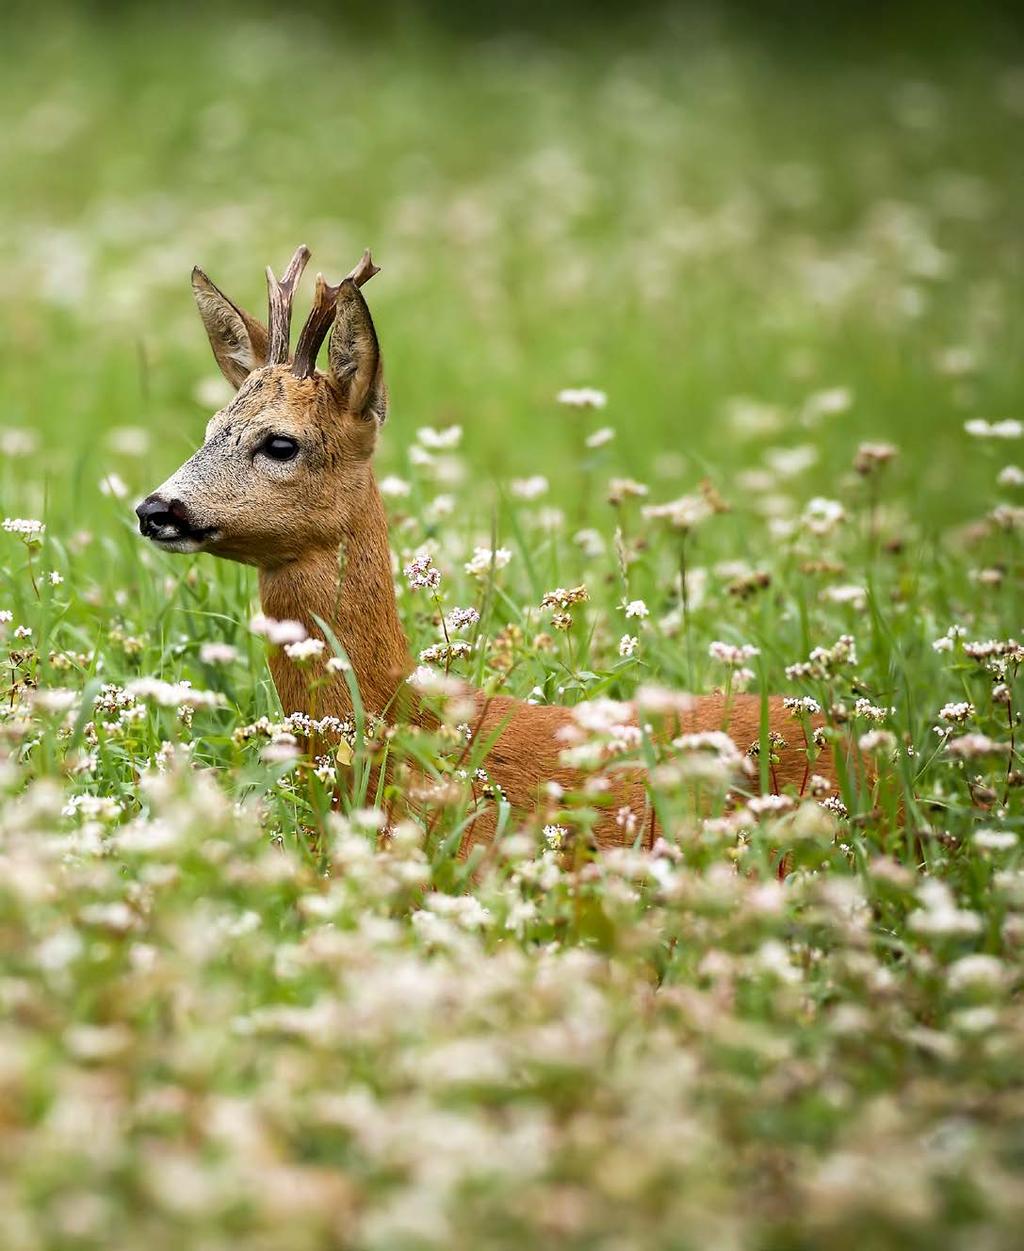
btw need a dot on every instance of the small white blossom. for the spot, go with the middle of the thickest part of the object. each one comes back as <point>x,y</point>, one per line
<point>114,485</point>
<point>304,649</point>
<point>582,397</point>
<point>600,437</point>
<point>855,596</point>
<point>821,516</point>
<point>636,608</point>
<point>483,558</point>
<point>25,527</point>
<point>439,440</point>
<point>628,645</point>
<point>529,488</point>
<point>981,429</point>
<point>1011,476</point>
<point>682,514</point>
<point>995,840</point>
<point>957,712</point>
<point>393,487</point>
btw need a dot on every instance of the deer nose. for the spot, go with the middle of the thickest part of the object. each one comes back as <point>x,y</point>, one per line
<point>157,516</point>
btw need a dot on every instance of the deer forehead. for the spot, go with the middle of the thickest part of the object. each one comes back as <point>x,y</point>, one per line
<point>273,397</point>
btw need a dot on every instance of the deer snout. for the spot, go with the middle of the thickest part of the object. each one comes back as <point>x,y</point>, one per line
<point>167,521</point>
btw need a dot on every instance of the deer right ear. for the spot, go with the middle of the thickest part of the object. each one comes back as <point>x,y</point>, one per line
<point>239,341</point>
<point>355,355</point>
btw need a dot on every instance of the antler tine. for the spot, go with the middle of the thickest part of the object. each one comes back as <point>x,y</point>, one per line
<point>325,300</point>
<point>279,296</point>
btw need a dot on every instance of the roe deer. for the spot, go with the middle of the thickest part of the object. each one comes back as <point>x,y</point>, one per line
<point>284,482</point>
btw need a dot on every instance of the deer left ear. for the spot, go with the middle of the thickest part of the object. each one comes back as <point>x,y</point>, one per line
<point>354,356</point>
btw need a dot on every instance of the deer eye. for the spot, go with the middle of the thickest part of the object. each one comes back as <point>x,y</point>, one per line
<point>280,447</point>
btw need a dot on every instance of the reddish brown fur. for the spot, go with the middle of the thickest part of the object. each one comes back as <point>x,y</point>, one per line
<point>318,534</point>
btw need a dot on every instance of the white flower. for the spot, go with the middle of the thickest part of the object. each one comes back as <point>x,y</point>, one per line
<point>114,485</point>
<point>976,970</point>
<point>628,644</point>
<point>212,391</point>
<point>1011,475</point>
<point>821,516</point>
<point>55,577</point>
<point>483,558</point>
<point>393,487</point>
<point>434,682</point>
<point>93,807</point>
<point>6,616</point>
<point>24,526</point>
<point>338,664</point>
<point>600,437</point>
<point>582,397</point>
<point>877,741</point>
<point>958,712</point>
<point>304,649</point>
<point>681,514</point>
<point>217,653</point>
<point>129,440</point>
<point>529,488</point>
<point>15,441</point>
<point>856,596</point>
<point>555,836</point>
<point>827,403</point>
<point>948,640</point>
<point>940,915</point>
<point>802,704</point>
<point>981,429</point>
<point>590,542</point>
<point>23,632</point>
<point>994,840</point>
<point>872,712</point>
<point>637,608</point>
<point>173,694</point>
<point>439,440</point>
<point>277,632</point>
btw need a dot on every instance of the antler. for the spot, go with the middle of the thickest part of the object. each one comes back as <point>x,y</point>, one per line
<point>325,299</point>
<point>280,295</point>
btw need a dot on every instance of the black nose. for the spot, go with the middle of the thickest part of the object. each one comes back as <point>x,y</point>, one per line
<point>160,518</point>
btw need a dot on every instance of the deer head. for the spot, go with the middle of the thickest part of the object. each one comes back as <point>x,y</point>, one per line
<point>286,464</point>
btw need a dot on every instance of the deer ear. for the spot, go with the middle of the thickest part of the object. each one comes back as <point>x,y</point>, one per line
<point>239,341</point>
<point>354,356</point>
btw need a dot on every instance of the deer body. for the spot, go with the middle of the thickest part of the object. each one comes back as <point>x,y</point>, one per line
<point>284,481</point>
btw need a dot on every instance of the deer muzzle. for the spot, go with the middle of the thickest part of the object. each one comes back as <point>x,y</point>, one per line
<point>169,524</point>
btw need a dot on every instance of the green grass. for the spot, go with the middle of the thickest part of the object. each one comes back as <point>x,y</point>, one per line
<point>226,1017</point>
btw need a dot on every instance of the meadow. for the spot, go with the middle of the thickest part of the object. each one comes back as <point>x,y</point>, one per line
<point>721,332</point>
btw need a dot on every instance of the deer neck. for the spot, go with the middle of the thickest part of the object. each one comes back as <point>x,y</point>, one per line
<point>351,588</point>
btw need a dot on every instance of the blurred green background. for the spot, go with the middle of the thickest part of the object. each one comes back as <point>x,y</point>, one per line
<point>691,208</point>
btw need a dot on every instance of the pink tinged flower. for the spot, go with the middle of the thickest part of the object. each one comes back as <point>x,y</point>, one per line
<point>422,574</point>
<point>217,653</point>
<point>277,632</point>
